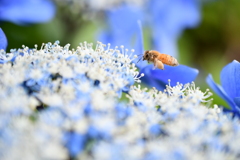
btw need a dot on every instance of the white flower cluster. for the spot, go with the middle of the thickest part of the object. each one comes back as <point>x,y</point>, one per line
<point>58,103</point>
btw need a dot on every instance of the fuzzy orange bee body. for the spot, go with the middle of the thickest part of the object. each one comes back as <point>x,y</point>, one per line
<point>159,59</point>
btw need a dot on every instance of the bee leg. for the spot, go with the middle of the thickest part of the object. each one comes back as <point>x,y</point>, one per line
<point>158,64</point>
<point>155,64</point>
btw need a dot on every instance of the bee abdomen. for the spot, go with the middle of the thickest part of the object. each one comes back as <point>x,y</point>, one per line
<point>168,60</point>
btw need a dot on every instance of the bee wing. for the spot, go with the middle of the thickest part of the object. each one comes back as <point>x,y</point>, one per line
<point>158,64</point>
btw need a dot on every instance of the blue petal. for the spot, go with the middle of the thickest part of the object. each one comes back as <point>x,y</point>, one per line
<point>3,40</point>
<point>122,111</point>
<point>181,73</point>
<point>169,19</point>
<point>235,113</point>
<point>220,91</point>
<point>124,19</point>
<point>165,43</point>
<point>149,80</point>
<point>123,25</point>
<point>75,143</point>
<point>230,79</point>
<point>237,101</point>
<point>155,129</point>
<point>27,11</point>
<point>107,37</point>
<point>159,78</point>
<point>93,132</point>
<point>174,16</point>
<point>139,47</point>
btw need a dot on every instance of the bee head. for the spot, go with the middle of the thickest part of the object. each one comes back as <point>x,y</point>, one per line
<point>146,55</point>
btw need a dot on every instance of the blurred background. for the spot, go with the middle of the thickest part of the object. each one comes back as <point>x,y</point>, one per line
<point>206,35</point>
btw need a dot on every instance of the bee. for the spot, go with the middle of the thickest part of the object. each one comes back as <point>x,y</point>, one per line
<point>158,59</point>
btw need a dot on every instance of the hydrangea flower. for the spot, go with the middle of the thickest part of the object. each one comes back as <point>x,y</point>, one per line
<point>62,103</point>
<point>230,88</point>
<point>55,84</point>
